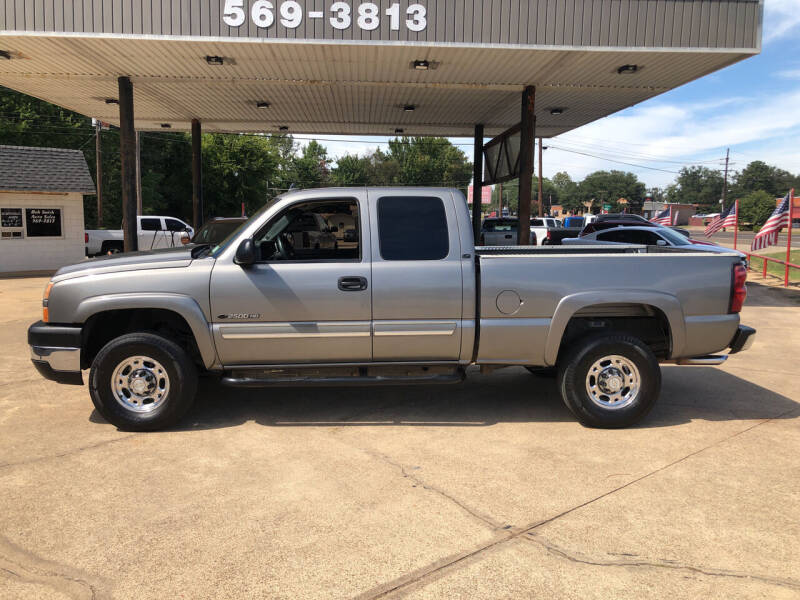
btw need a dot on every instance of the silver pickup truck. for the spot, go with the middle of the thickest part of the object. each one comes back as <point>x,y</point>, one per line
<point>401,296</point>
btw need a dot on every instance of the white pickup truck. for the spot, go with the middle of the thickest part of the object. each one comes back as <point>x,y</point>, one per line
<point>153,232</point>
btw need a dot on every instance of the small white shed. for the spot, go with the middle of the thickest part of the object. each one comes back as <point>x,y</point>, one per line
<point>41,207</point>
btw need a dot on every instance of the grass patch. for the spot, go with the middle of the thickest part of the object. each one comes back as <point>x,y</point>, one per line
<point>776,269</point>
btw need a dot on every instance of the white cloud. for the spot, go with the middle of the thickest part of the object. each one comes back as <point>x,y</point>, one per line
<point>781,17</point>
<point>664,137</point>
<point>789,74</point>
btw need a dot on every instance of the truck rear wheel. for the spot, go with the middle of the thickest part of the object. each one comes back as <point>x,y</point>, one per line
<point>142,382</point>
<point>609,381</point>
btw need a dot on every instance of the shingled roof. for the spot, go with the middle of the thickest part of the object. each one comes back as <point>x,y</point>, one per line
<point>26,169</point>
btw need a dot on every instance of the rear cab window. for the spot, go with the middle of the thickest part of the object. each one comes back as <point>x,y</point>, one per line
<point>412,228</point>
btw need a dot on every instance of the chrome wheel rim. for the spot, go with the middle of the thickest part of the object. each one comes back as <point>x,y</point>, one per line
<point>140,384</point>
<point>613,382</point>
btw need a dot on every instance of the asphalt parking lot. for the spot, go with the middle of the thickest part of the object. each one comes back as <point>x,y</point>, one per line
<point>489,489</point>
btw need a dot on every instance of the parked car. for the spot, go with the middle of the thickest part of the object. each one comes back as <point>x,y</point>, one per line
<point>153,232</point>
<point>544,231</point>
<point>602,224</point>
<point>398,307</point>
<point>214,230</point>
<point>572,222</point>
<point>648,236</point>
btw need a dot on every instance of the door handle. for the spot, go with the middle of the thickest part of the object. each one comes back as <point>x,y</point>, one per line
<point>352,284</point>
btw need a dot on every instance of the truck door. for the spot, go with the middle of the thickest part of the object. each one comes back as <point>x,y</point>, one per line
<point>308,297</point>
<point>416,276</point>
<point>151,233</point>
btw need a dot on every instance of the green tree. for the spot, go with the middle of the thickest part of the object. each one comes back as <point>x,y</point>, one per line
<point>568,195</point>
<point>697,185</point>
<point>755,208</point>
<point>607,187</point>
<point>758,175</point>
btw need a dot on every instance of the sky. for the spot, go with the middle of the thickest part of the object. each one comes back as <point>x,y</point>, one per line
<point>753,107</point>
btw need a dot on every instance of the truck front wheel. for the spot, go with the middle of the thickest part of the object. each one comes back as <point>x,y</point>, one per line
<point>609,381</point>
<point>142,382</point>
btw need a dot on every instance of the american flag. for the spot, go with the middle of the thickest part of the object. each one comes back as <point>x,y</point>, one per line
<point>663,218</point>
<point>768,235</point>
<point>726,219</point>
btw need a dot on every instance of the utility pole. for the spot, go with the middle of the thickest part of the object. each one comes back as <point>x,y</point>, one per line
<point>541,199</point>
<point>500,195</point>
<point>99,156</point>
<point>725,181</point>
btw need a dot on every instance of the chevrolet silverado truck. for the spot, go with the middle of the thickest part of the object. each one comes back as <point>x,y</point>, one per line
<point>408,299</point>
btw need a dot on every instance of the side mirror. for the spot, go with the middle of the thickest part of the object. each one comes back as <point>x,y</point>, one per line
<point>661,243</point>
<point>246,253</point>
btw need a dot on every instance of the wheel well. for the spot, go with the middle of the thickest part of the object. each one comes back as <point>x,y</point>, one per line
<point>642,321</point>
<point>103,327</point>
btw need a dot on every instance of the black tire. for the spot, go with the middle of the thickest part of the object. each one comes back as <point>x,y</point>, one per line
<point>549,372</point>
<point>573,379</point>
<point>181,379</point>
<point>113,247</point>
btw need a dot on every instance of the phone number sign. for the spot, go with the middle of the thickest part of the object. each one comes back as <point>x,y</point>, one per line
<point>341,15</point>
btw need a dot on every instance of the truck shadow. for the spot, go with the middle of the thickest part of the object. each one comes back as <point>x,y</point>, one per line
<point>510,395</point>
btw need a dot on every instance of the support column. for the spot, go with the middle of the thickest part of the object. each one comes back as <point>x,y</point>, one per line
<point>477,183</point>
<point>527,141</point>
<point>139,208</point>
<point>127,151</point>
<point>99,153</point>
<point>197,175</point>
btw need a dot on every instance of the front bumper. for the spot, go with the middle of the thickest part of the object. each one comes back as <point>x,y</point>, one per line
<point>744,338</point>
<point>56,352</point>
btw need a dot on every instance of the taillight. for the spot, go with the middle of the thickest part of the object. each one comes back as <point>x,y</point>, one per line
<point>85,238</point>
<point>738,289</point>
<point>549,235</point>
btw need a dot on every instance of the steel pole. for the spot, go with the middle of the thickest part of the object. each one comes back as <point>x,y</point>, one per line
<point>197,174</point>
<point>99,175</point>
<point>127,151</point>
<point>540,196</point>
<point>527,141</point>
<point>789,239</point>
<point>477,183</point>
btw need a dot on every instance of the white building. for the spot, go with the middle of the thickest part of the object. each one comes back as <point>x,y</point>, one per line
<point>41,207</point>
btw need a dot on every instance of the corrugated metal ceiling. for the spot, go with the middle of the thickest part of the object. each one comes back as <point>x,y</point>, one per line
<point>343,89</point>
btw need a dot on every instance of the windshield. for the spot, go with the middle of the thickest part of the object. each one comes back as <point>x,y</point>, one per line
<point>214,233</point>
<point>674,238</point>
<point>217,250</point>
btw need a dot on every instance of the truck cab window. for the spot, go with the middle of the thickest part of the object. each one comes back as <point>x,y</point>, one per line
<point>175,225</point>
<point>151,224</point>
<point>412,228</point>
<point>312,231</point>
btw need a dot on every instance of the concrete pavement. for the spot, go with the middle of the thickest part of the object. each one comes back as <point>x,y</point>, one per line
<point>488,489</point>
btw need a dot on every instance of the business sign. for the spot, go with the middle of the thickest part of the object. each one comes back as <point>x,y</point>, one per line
<point>367,16</point>
<point>43,222</point>
<point>11,217</point>
<point>486,195</point>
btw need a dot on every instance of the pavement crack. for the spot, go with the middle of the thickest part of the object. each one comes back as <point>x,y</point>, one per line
<point>28,567</point>
<point>439,568</point>
<point>654,563</point>
<point>67,453</point>
<point>435,489</point>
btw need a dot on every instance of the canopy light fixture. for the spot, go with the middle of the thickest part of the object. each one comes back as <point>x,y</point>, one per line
<point>283,128</point>
<point>166,126</point>
<point>215,60</point>
<point>424,65</point>
<point>627,69</point>
<point>409,108</point>
<point>111,101</point>
<point>556,111</point>
<point>398,131</point>
<point>262,104</point>
<point>5,54</point>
